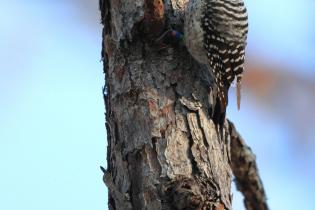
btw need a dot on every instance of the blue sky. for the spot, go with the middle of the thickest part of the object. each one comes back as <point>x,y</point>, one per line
<point>283,31</point>
<point>52,133</point>
<point>52,112</point>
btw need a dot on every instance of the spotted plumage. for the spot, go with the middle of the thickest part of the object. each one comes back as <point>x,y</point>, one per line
<point>215,34</point>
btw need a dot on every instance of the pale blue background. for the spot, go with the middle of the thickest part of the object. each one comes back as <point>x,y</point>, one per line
<point>52,133</point>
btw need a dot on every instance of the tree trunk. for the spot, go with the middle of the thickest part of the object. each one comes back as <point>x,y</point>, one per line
<point>164,150</point>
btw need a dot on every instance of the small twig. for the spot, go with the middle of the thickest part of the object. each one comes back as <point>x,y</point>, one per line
<point>243,163</point>
<point>170,32</point>
<point>163,35</point>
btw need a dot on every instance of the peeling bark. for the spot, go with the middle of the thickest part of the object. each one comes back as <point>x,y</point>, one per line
<point>164,151</point>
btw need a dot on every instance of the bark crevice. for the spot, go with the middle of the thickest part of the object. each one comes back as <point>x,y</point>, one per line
<point>164,150</point>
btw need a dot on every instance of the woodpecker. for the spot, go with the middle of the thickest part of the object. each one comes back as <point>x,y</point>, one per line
<point>215,34</point>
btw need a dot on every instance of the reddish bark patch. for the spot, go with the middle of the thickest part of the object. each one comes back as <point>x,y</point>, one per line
<point>119,72</point>
<point>107,45</point>
<point>166,110</point>
<point>153,107</point>
<point>153,18</point>
<point>220,207</point>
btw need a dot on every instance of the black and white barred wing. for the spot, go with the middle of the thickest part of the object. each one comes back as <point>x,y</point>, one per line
<point>225,32</point>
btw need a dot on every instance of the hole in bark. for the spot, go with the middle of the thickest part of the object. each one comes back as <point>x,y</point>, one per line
<point>162,133</point>
<point>154,140</point>
<point>186,186</point>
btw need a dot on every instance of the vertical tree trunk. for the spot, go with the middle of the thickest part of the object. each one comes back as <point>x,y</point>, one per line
<point>164,151</point>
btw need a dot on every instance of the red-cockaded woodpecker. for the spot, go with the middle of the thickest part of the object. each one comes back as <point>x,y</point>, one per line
<point>215,34</point>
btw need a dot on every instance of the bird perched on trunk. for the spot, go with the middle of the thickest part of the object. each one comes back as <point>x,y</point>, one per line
<point>215,34</point>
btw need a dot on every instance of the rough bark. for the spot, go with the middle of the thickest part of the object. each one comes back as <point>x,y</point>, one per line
<point>246,172</point>
<point>164,151</point>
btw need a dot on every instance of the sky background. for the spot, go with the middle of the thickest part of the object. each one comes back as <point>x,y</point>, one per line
<point>52,133</point>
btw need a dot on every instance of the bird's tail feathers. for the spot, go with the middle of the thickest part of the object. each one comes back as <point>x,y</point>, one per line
<point>238,92</point>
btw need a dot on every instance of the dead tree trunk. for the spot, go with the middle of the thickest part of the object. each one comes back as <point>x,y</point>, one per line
<point>164,151</point>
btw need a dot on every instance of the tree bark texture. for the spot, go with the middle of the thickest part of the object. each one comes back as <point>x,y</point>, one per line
<point>164,151</point>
